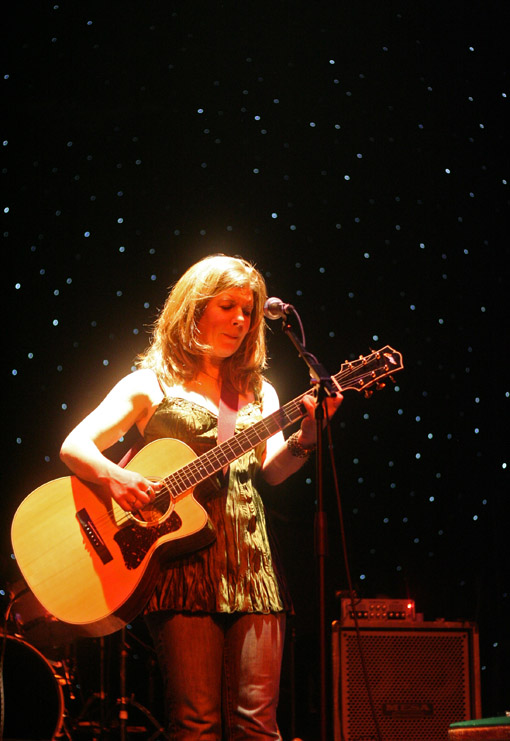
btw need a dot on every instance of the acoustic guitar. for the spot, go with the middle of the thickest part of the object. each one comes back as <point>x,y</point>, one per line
<point>93,565</point>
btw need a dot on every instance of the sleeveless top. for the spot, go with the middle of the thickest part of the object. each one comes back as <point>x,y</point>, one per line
<point>237,572</point>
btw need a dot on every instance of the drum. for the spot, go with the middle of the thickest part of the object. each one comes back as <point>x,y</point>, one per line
<point>35,624</point>
<point>34,701</point>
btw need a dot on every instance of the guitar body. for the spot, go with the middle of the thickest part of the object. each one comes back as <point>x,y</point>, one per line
<point>89,562</point>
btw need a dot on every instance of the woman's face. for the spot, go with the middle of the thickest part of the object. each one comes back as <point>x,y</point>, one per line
<point>226,321</point>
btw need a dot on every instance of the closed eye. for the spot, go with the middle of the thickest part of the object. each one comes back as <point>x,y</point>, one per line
<point>246,311</point>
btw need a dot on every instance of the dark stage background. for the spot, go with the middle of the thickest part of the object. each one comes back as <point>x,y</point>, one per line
<point>356,152</point>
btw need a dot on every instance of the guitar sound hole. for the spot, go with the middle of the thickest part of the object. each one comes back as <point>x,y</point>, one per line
<point>157,511</point>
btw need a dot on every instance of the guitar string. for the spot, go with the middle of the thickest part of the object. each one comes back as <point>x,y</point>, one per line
<point>185,484</point>
<point>104,522</point>
<point>107,521</point>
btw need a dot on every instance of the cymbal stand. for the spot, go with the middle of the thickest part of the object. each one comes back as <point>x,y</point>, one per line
<point>100,696</point>
<point>106,725</point>
<point>124,701</point>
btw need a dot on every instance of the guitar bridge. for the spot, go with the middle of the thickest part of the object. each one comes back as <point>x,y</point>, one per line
<point>93,536</point>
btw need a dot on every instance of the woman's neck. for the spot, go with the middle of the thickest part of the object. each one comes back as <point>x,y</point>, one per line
<point>214,376</point>
<point>211,369</point>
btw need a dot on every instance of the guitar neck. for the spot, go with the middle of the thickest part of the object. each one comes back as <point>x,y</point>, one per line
<point>222,455</point>
<point>358,375</point>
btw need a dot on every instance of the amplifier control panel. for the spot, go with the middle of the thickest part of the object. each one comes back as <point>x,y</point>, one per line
<point>386,610</point>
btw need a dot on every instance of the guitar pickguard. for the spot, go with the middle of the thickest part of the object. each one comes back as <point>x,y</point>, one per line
<point>135,541</point>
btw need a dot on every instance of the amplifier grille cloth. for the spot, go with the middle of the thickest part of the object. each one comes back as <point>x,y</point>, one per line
<point>420,684</point>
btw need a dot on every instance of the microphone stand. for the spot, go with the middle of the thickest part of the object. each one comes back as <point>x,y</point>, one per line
<point>325,387</point>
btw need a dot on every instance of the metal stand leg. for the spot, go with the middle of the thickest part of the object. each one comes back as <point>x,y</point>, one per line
<point>114,722</point>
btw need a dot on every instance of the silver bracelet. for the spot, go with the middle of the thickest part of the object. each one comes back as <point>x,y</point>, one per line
<point>296,448</point>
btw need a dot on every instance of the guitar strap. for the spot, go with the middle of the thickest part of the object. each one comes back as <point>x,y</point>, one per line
<point>133,450</point>
<point>227,413</point>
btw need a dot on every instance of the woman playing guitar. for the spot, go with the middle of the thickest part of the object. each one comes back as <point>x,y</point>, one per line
<point>217,615</point>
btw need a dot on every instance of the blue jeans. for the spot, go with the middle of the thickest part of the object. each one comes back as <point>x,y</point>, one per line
<point>221,674</point>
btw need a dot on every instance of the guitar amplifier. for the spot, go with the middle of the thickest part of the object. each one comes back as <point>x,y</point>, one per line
<point>422,677</point>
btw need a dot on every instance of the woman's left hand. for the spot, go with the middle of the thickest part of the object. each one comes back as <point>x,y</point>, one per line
<point>308,436</point>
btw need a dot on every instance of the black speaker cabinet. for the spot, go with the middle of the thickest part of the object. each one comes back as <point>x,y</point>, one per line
<point>422,677</point>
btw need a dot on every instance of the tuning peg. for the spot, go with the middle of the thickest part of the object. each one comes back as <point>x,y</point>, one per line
<point>392,379</point>
<point>380,385</point>
<point>368,393</point>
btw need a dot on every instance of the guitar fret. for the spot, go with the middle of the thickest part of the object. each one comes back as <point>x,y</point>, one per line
<point>253,436</point>
<point>219,459</point>
<point>176,483</point>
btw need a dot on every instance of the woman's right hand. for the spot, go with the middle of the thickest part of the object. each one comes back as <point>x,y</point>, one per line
<point>131,400</point>
<point>129,489</point>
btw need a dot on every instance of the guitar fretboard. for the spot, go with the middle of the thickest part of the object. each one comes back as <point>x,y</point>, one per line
<point>222,455</point>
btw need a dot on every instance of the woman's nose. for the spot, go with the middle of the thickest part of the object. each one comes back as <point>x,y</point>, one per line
<point>238,316</point>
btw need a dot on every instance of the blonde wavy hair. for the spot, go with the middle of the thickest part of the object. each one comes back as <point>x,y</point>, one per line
<point>176,350</point>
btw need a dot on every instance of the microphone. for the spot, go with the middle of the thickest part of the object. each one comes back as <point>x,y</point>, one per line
<point>275,308</point>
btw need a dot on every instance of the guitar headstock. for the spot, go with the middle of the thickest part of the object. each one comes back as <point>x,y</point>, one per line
<point>367,371</point>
